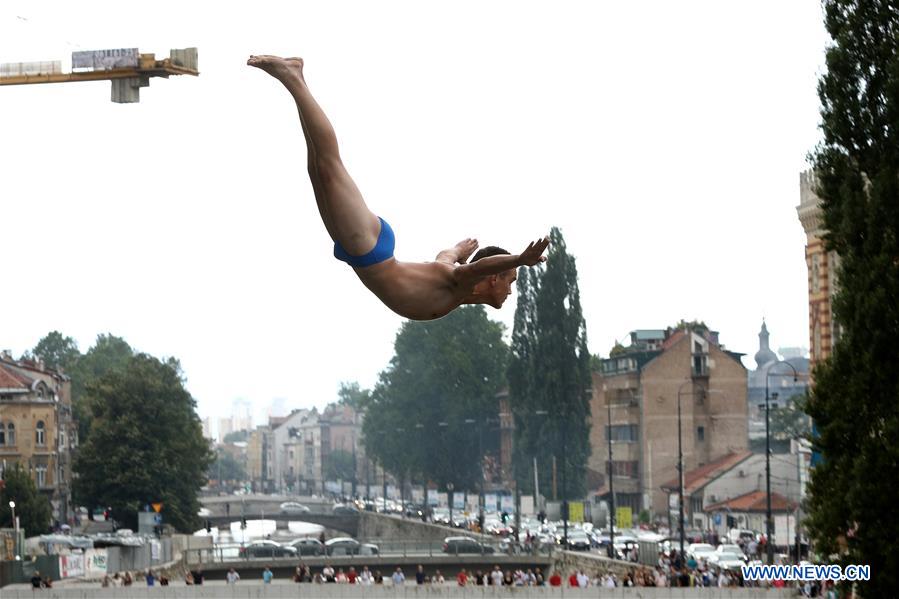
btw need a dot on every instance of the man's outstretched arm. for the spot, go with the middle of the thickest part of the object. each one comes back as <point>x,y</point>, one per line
<point>494,265</point>
<point>459,253</point>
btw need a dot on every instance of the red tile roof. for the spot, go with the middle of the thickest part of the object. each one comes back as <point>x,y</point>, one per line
<point>695,480</point>
<point>10,379</point>
<point>754,501</point>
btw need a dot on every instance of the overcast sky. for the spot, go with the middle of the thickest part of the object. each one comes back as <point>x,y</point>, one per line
<point>665,139</point>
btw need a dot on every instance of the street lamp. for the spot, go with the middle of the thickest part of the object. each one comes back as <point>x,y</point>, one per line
<point>15,524</point>
<point>537,478</point>
<point>402,480</point>
<point>769,520</point>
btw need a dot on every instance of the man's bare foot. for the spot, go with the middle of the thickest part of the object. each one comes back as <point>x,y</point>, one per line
<point>465,248</point>
<point>277,67</point>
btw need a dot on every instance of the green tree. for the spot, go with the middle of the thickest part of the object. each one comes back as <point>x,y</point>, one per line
<point>32,508</point>
<point>691,325</point>
<point>853,402</point>
<point>226,467</point>
<point>108,353</point>
<point>549,371</point>
<point>791,421</point>
<point>146,444</point>
<point>352,395</point>
<point>57,351</point>
<point>443,373</point>
<point>339,465</point>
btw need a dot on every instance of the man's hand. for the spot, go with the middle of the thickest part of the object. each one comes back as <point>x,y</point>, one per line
<point>533,254</point>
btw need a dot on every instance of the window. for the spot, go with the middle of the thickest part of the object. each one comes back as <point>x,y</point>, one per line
<point>41,474</point>
<point>2,434</point>
<point>39,433</point>
<point>696,505</point>
<point>625,433</point>
<point>816,275</point>
<point>10,434</point>
<point>700,365</point>
<point>623,469</point>
<point>700,433</point>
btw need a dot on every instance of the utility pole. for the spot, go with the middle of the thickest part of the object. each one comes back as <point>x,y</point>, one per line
<point>612,553</point>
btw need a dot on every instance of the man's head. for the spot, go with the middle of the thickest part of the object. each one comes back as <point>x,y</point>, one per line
<point>495,288</point>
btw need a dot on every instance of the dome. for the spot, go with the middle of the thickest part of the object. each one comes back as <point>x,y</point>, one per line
<point>764,355</point>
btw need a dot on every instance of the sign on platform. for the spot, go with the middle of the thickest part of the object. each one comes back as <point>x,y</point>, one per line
<point>576,511</point>
<point>95,562</point>
<point>71,565</point>
<point>117,58</point>
<point>490,502</point>
<point>527,505</point>
<point>624,517</point>
<point>507,504</point>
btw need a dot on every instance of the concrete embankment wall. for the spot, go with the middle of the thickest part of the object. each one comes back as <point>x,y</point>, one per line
<point>590,563</point>
<point>255,590</point>
<point>379,526</point>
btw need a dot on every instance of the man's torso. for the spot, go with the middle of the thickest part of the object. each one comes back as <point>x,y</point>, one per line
<point>415,290</point>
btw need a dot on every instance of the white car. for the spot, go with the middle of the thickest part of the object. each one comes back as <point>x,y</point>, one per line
<point>727,560</point>
<point>292,507</point>
<point>700,551</point>
<point>729,548</point>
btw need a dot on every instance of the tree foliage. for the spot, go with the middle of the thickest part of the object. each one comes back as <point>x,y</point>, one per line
<point>226,467</point>
<point>549,371</point>
<point>443,371</point>
<point>57,351</point>
<point>353,396</point>
<point>108,353</point>
<point>339,465</point>
<point>853,401</point>
<point>791,421</point>
<point>146,444</point>
<point>32,508</point>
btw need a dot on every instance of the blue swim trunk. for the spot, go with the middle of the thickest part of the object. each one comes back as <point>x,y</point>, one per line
<point>383,250</point>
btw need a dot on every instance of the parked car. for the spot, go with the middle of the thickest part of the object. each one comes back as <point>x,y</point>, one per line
<point>457,545</point>
<point>728,548</point>
<point>728,560</point>
<point>578,540</point>
<point>308,546</point>
<point>348,546</point>
<point>292,507</point>
<point>345,509</point>
<point>700,551</point>
<point>261,549</point>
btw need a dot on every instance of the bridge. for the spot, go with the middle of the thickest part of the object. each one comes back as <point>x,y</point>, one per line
<point>348,524</point>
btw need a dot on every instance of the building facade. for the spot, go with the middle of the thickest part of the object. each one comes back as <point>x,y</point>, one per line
<point>641,387</point>
<point>822,272</point>
<point>38,430</point>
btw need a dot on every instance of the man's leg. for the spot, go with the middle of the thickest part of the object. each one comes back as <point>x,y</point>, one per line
<point>344,213</point>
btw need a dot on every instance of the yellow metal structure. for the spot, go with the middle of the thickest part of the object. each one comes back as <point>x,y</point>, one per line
<point>181,62</point>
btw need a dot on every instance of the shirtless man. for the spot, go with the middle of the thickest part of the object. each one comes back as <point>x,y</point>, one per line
<point>414,290</point>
